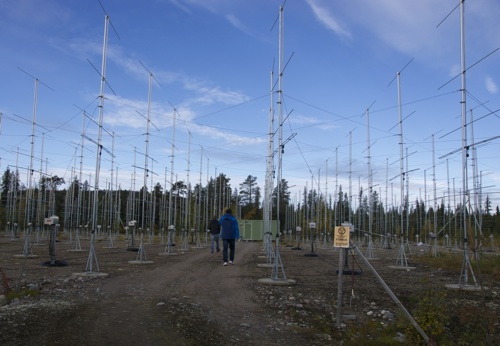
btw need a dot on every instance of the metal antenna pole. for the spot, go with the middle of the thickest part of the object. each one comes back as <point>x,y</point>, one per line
<point>350,177</point>
<point>268,187</point>
<point>336,184</point>
<point>401,260</point>
<point>77,245</point>
<point>326,202</point>
<point>207,219</point>
<point>134,187</point>
<point>386,234</point>
<point>401,165</point>
<point>171,172</point>
<point>277,257</point>
<point>146,156</point>
<point>435,251</point>
<point>188,209</point>
<point>425,203</point>
<point>111,204</point>
<point>449,198</point>
<point>407,201</point>
<point>95,206</point>
<point>30,193</point>
<point>198,209</point>
<point>370,187</point>
<point>476,188</point>
<point>216,195</point>
<point>465,187</point>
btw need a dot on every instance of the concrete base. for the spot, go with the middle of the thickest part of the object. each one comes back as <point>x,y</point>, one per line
<point>140,262</point>
<point>464,287</point>
<point>277,282</point>
<point>402,267</point>
<point>349,317</point>
<point>91,274</point>
<point>23,256</point>
<point>267,265</point>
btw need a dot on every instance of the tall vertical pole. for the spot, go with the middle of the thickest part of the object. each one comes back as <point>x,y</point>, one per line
<point>39,215</point>
<point>277,257</point>
<point>80,176</point>
<point>425,201</point>
<point>386,201</point>
<point>401,164</point>
<point>268,187</point>
<point>146,157</point>
<point>350,177</point>
<point>188,184</point>
<point>370,184</point>
<point>171,171</point>
<point>326,197</point>
<point>95,207</point>
<point>111,204</point>
<point>465,188</point>
<point>407,200</point>
<point>336,185</point>
<point>449,197</point>
<point>434,196</point>
<point>198,228</point>
<point>29,194</point>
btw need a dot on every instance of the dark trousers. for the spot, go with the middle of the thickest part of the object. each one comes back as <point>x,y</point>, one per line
<point>226,243</point>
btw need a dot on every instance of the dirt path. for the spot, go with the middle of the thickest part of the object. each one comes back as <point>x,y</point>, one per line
<point>186,299</point>
<point>192,299</point>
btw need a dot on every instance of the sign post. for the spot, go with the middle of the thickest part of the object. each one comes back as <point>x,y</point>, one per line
<point>341,236</point>
<point>54,222</point>
<point>341,239</point>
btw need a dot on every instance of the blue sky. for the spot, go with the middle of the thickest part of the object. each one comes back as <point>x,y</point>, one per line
<point>213,60</point>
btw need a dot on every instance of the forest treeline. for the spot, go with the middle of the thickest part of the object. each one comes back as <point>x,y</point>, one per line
<point>191,207</point>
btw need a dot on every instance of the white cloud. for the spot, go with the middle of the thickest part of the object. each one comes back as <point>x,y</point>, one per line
<point>228,138</point>
<point>303,121</point>
<point>406,26</point>
<point>231,18</point>
<point>121,112</point>
<point>324,16</point>
<point>213,94</point>
<point>491,86</point>
<point>180,5</point>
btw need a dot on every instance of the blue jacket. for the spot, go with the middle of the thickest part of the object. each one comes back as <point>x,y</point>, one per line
<point>229,226</point>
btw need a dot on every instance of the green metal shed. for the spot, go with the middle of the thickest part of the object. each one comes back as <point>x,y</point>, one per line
<point>254,229</point>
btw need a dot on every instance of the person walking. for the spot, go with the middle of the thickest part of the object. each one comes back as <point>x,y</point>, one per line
<point>229,233</point>
<point>214,228</point>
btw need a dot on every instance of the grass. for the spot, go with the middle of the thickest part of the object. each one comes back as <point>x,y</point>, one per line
<point>487,265</point>
<point>12,294</point>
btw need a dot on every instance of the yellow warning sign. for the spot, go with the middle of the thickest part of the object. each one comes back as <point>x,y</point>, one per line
<point>341,236</point>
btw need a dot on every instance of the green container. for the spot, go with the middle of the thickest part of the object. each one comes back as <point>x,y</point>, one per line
<point>254,229</point>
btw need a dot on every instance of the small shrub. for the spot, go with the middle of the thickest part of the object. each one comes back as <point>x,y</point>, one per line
<point>475,324</point>
<point>432,316</point>
<point>5,282</point>
<point>20,294</point>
